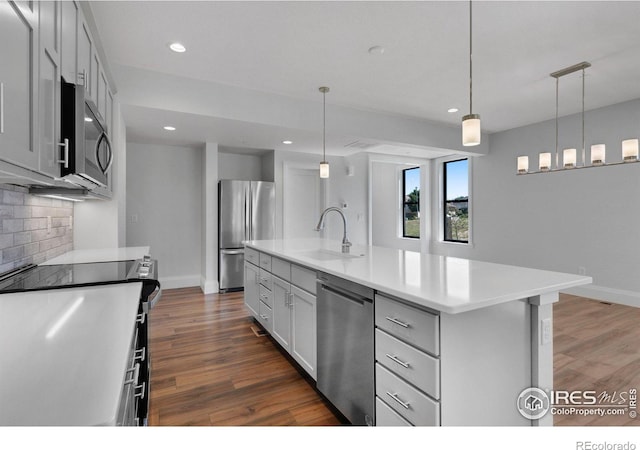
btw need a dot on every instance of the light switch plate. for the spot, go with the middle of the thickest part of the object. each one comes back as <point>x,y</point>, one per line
<point>547,331</point>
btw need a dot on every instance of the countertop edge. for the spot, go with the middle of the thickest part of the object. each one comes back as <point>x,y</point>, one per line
<point>421,301</point>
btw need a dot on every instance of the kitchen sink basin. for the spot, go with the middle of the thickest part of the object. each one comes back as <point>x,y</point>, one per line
<point>328,255</point>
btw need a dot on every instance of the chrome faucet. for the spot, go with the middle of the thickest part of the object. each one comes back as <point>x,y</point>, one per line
<point>345,242</point>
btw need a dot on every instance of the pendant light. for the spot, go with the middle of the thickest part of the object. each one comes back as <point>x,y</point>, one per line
<point>324,165</point>
<point>471,122</point>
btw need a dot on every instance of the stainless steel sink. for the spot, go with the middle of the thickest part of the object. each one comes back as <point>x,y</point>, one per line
<point>328,255</point>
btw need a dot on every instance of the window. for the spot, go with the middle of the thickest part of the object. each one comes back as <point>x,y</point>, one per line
<point>411,203</point>
<point>456,200</point>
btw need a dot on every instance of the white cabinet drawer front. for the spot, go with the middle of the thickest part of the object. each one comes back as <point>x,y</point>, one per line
<point>251,255</point>
<point>281,268</point>
<point>303,278</point>
<point>406,400</point>
<point>266,296</point>
<point>387,417</point>
<point>420,369</point>
<point>265,261</point>
<point>265,279</point>
<point>412,325</point>
<point>265,317</point>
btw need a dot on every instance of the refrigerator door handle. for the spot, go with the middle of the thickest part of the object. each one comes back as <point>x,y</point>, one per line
<point>250,211</point>
<point>232,252</point>
<point>247,236</point>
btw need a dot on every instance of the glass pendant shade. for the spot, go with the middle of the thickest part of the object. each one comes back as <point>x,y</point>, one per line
<point>545,161</point>
<point>569,158</point>
<point>630,150</point>
<point>523,164</point>
<point>324,169</point>
<point>471,130</point>
<point>597,154</point>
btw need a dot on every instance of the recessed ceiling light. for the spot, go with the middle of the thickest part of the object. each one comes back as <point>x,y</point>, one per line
<point>169,128</point>
<point>88,119</point>
<point>452,110</point>
<point>177,47</point>
<point>287,142</point>
<point>376,50</point>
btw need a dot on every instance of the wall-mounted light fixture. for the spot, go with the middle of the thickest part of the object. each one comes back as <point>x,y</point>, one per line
<point>569,155</point>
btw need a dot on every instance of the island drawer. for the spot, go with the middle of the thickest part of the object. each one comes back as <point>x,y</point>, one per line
<point>415,326</point>
<point>265,317</point>
<point>303,278</point>
<point>266,279</point>
<point>418,368</point>
<point>252,256</point>
<point>406,400</point>
<point>265,261</point>
<point>387,417</point>
<point>266,296</point>
<point>281,268</point>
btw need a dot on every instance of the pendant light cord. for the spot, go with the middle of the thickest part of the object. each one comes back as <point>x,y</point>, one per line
<point>584,152</point>
<point>557,157</point>
<point>470,61</point>
<point>324,115</point>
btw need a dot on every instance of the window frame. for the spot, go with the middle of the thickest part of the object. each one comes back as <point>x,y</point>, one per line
<point>403,202</point>
<point>443,202</point>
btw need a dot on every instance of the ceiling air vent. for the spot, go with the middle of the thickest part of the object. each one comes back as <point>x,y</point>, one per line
<point>361,145</point>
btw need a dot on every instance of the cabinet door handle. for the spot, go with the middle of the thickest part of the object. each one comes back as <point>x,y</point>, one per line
<point>397,360</point>
<point>291,299</point>
<point>397,322</point>
<point>405,405</point>
<point>142,388</point>
<point>84,77</point>
<point>140,355</point>
<point>287,299</point>
<point>264,317</point>
<point>136,373</point>
<point>1,108</point>
<point>65,157</point>
<point>140,318</point>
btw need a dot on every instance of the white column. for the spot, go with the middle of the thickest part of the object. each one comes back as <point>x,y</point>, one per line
<point>542,347</point>
<point>209,277</point>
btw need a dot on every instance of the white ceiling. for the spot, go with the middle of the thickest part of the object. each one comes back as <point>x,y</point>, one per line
<point>292,48</point>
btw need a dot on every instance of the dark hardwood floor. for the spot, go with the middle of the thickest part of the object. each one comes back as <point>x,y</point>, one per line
<point>209,368</point>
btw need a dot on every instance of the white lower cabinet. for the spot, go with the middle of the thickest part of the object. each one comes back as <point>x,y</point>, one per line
<point>304,329</point>
<point>407,377</point>
<point>281,296</point>
<point>252,288</point>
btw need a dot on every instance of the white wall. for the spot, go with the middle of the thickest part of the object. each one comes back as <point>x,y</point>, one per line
<point>235,166</point>
<point>164,191</point>
<point>386,210</point>
<point>566,220</point>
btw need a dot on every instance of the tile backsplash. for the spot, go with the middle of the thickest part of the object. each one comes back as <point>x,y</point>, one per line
<point>32,229</point>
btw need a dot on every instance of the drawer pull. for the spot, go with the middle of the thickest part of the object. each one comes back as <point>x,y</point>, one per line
<point>264,317</point>
<point>139,355</point>
<point>395,397</point>
<point>397,322</point>
<point>142,388</point>
<point>395,359</point>
<point>264,280</point>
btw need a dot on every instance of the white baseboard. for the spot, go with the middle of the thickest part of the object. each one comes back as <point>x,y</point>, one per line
<point>179,282</point>
<point>209,286</point>
<point>611,295</point>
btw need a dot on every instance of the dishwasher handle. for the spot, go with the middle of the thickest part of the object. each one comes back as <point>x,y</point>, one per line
<point>347,295</point>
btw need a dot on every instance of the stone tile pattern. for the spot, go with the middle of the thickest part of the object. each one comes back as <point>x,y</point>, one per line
<point>24,235</point>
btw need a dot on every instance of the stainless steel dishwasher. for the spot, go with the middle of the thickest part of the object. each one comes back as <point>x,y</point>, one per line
<point>345,347</point>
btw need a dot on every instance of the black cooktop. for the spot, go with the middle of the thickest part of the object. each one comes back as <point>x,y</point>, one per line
<point>60,276</point>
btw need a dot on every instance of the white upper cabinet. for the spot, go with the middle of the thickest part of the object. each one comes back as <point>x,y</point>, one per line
<point>85,55</point>
<point>69,41</point>
<point>49,88</point>
<point>18,82</point>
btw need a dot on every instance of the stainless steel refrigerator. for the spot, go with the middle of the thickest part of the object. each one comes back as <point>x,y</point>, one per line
<point>246,211</point>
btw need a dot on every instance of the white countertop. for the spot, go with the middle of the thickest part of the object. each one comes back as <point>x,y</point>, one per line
<point>99,255</point>
<point>446,284</point>
<point>63,354</point>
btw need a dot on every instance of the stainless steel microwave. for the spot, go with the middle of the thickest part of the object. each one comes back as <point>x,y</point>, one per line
<point>87,154</point>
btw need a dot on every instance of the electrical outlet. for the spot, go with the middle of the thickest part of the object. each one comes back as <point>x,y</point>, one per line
<point>582,270</point>
<point>547,331</point>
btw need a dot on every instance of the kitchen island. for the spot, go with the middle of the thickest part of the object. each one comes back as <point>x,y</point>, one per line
<point>490,327</point>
